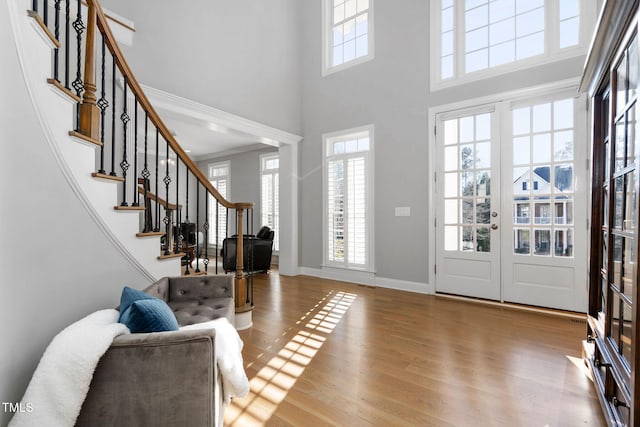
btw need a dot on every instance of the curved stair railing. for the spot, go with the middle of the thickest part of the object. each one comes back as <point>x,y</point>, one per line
<point>136,149</point>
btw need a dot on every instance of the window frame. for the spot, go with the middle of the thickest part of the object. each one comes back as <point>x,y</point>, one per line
<point>276,228</point>
<point>328,138</point>
<point>552,51</point>
<point>327,39</point>
<point>222,233</point>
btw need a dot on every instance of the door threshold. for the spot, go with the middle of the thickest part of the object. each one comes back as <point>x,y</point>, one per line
<point>515,306</point>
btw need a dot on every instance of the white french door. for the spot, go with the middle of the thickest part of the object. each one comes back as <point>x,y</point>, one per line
<point>511,182</point>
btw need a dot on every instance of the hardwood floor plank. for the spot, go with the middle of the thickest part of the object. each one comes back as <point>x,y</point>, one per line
<point>323,352</point>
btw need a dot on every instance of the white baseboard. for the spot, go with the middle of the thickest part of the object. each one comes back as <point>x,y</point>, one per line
<point>366,278</point>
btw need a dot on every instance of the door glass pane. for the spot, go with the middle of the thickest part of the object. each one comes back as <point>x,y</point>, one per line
<point>542,242</point>
<point>563,145</point>
<point>521,151</point>
<point>618,189</point>
<point>466,243</point>
<point>563,243</point>
<point>483,211</point>
<point>626,338</point>
<point>619,145</point>
<point>563,212</point>
<point>483,183</point>
<point>631,137</point>
<point>467,211</point>
<point>451,212</point>
<point>629,257</point>
<point>542,148</point>
<point>630,202</point>
<point>615,319</point>
<point>483,155</point>
<point>522,241</point>
<point>521,213</point>
<point>483,239</point>
<point>451,158</point>
<point>451,238</point>
<point>621,74</point>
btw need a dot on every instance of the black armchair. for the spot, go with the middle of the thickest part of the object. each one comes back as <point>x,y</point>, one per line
<point>257,251</point>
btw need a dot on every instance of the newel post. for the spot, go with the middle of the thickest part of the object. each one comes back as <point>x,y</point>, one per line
<point>240,280</point>
<point>89,112</point>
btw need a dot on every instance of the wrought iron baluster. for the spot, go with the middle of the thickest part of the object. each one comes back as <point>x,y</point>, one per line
<point>157,224</point>
<point>197,236</point>
<point>45,12</point>
<point>56,34</point>
<point>217,225</point>
<point>205,227</point>
<point>188,238</point>
<point>136,194</point>
<point>113,116</point>
<point>124,164</point>
<point>148,219</point>
<point>34,5</point>
<point>67,56</point>
<point>102,104</point>
<point>78,84</point>
<point>178,237</point>
<point>167,217</point>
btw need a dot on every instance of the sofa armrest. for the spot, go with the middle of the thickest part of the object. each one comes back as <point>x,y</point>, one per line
<point>161,378</point>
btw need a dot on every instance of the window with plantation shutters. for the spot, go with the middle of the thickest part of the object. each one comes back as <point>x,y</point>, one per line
<point>347,200</point>
<point>269,207</point>
<point>219,178</point>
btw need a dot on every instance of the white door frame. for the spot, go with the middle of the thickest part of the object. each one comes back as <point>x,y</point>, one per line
<point>530,92</point>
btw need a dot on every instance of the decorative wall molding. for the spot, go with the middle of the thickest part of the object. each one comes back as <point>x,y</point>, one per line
<point>367,278</point>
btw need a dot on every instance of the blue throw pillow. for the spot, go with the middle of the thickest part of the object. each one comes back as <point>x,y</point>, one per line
<point>141,312</point>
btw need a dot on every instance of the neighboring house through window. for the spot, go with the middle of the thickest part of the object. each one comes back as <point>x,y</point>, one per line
<point>219,178</point>
<point>269,190</point>
<point>347,33</point>
<point>348,201</point>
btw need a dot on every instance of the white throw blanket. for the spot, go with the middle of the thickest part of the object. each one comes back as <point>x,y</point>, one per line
<point>61,381</point>
<point>228,351</point>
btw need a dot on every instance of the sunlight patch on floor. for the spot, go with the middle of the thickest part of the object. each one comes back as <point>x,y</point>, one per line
<point>272,383</point>
<point>581,366</point>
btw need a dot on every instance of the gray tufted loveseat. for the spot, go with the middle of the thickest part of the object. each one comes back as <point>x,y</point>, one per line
<point>165,378</point>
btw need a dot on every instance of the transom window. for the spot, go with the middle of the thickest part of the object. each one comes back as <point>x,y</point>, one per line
<point>347,199</point>
<point>481,35</point>
<point>347,29</point>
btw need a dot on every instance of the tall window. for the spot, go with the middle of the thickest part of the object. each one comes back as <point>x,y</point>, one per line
<point>219,178</point>
<point>269,168</point>
<point>348,33</point>
<point>477,35</point>
<point>348,198</point>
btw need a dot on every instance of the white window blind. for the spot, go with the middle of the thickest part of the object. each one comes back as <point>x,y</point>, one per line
<point>348,200</point>
<point>270,195</point>
<point>219,178</point>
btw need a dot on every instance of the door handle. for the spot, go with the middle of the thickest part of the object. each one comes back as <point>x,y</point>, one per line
<point>494,226</point>
<point>494,214</point>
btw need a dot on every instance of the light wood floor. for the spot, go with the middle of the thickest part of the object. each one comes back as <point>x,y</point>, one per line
<point>330,353</point>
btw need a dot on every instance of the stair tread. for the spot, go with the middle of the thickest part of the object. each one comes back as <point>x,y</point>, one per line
<point>107,177</point>
<point>85,138</point>
<point>129,208</point>
<point>172,255</point>
<point>151,234</point>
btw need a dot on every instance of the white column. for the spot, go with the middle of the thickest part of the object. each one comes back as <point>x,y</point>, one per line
<point>288,258</point>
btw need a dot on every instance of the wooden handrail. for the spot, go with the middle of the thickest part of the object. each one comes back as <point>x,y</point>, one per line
<point>124,68</point>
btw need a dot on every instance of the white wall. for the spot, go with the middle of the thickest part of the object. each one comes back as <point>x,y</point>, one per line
<point>240,56</point>
<point>392,92</point>
<point>56,265</point>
